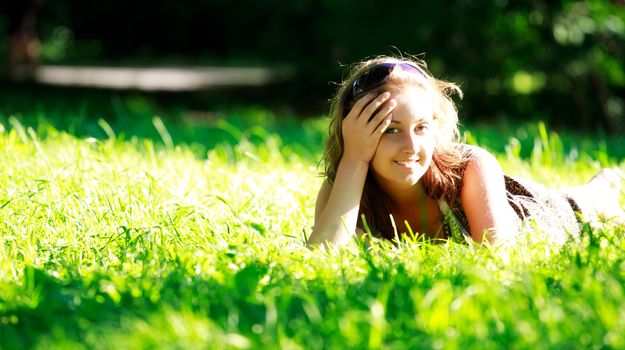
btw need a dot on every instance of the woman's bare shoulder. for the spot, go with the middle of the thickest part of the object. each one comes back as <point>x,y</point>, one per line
<point>480,157</point>
<point>483,171</point>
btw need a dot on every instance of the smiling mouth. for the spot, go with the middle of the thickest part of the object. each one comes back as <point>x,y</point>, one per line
<point>407,163</point>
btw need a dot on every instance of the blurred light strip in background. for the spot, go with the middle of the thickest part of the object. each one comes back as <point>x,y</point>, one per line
<point>166,79</point>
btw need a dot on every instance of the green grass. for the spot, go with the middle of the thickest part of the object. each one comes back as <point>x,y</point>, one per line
<point>188,232</point>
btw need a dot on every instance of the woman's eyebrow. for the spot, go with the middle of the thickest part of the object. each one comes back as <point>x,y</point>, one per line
<point>418,121</point>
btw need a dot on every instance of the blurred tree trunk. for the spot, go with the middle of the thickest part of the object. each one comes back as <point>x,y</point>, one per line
<point>24,45</point>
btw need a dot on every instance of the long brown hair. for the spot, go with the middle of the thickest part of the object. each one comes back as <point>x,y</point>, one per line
<point>442,178</point>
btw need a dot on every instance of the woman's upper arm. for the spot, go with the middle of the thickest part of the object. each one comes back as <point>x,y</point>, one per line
<point>322,199</point>
<point>484,200</point>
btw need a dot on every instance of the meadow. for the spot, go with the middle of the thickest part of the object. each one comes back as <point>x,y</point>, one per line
<point>188,231</point>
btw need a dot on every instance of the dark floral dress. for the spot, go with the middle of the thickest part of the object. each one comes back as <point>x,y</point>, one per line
<point>551,211</point>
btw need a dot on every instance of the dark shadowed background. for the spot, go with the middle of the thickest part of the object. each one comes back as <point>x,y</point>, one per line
<point>560,61</point>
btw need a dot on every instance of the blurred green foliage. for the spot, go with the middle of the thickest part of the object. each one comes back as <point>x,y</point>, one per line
<point>559,61</point>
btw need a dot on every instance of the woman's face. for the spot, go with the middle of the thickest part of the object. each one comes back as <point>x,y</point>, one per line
<point>405,150</point>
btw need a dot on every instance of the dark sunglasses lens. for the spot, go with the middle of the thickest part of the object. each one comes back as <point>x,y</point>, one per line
<point>372,79</point>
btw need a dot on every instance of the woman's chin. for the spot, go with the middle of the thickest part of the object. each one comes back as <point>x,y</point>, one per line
<point>400,182</point>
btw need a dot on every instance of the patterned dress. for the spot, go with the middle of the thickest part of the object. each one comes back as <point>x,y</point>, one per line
<point>551,211</point>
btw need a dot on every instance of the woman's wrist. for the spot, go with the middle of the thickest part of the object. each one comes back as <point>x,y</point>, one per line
<point>354,162</point>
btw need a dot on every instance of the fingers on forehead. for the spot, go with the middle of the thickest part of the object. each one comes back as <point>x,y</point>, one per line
<point>362,102</point>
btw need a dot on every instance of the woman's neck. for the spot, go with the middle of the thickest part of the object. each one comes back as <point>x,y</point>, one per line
<point>409,197</point>
<point>414,211</point>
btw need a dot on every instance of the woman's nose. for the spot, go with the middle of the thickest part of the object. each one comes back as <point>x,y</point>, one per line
<point>410,143</point>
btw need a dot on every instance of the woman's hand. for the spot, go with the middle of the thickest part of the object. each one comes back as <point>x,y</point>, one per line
<point>364,125</point>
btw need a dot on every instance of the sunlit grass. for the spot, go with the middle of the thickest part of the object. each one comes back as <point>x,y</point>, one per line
<point>171,241</point>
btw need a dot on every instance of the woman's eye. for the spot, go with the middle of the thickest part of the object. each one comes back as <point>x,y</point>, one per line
<point>423,127</point>
<point>391,131</point>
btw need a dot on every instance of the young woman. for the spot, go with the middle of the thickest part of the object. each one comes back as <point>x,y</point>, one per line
<point>393,164</point>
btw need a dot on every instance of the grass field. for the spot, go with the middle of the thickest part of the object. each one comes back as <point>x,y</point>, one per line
<point>189,233</point>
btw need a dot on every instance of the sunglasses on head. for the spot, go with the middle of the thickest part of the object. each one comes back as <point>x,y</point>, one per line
<point>375,77</point>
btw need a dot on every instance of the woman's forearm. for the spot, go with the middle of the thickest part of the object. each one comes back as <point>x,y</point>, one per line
<point>337,222</point>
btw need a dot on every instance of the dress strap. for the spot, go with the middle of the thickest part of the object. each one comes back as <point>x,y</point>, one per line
<point>457,231</point>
